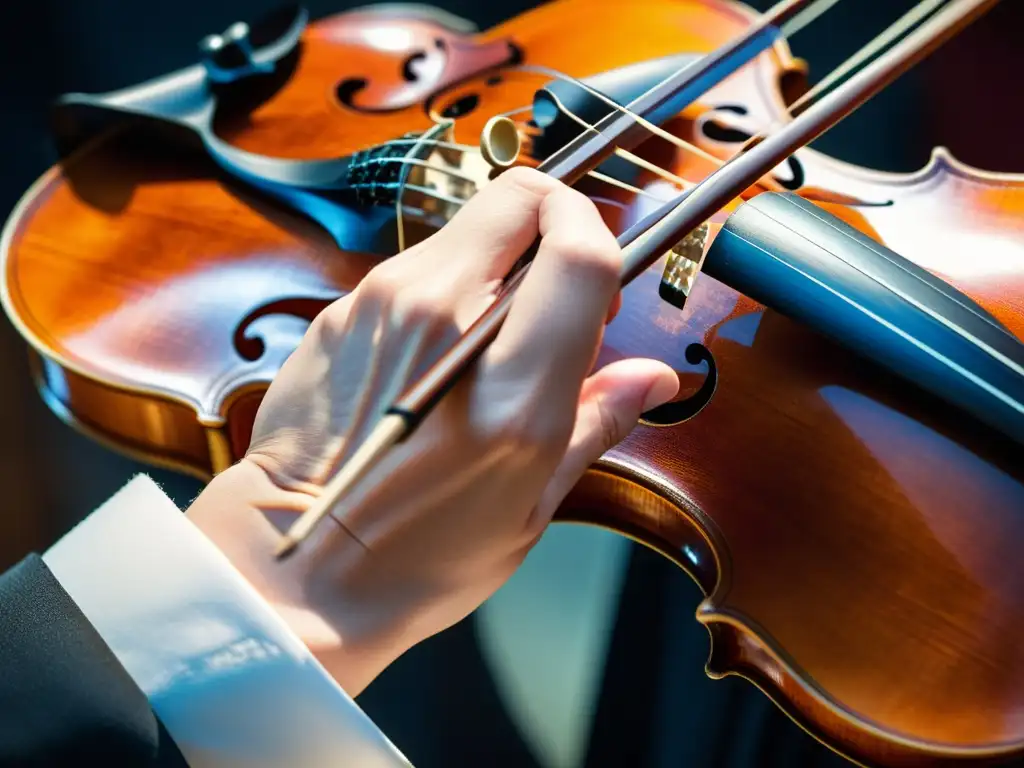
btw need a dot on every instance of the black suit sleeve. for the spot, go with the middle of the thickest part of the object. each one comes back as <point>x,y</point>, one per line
<point>65,700</point>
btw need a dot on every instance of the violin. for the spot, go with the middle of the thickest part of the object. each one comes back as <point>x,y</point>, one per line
<point>855,536</point>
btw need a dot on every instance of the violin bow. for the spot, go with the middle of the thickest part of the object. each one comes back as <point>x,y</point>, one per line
<point>645,242</point>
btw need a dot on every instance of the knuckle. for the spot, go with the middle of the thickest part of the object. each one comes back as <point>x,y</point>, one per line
<point>381,284</point>
<point>412,307</point>
<point>333,319</point>
<point>407,302</point>
<point>588,252</point>
<point>528,179</point>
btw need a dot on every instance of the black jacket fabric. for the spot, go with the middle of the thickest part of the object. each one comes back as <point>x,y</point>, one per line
<point>65,700</point>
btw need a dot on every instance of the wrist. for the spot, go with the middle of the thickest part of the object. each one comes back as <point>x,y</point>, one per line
<point>243,512</point>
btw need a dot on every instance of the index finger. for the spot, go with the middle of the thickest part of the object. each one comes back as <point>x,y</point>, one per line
<point>558,314</point>
<point>495,226</point>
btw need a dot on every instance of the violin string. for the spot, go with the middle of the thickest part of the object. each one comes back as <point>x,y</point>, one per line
<point>404,177</point>
<point>810,14</point>
<point>466,149</point>
<point>801,20</point>
<point>433,193</point>
<point>623,185</point>
<point>874,47</point>
<point>656,130</point>
<point>516,111</point>
<point>430,192</point>
<point>624,154</point>
<point>805,17</point>
<point>597,199</point>
<point>860,56</point>
<point>423,164</point>
<point>651,127</point>
<point>635,159</point>
<point>439,143</point>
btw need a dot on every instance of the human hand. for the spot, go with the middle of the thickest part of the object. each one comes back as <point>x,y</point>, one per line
<point>450,514</point>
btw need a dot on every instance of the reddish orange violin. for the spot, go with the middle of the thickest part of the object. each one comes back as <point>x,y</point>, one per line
<point>855,535</point>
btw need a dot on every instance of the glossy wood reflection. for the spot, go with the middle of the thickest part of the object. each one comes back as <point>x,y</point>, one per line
<point>857,540</point>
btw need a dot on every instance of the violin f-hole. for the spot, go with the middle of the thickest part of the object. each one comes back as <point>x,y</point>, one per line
<point>725,133</point>
<point>678,411</point>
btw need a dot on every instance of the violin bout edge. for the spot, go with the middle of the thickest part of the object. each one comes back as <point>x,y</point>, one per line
<point>621,498</point>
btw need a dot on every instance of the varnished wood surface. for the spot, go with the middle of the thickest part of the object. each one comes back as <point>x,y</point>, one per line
<point>857,541</point>
<point>147,226</point>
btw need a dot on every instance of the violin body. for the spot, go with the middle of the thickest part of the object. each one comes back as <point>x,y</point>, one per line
<point>856,539</point>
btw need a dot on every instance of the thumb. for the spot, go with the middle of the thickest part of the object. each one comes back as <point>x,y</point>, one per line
<point>611,402</point>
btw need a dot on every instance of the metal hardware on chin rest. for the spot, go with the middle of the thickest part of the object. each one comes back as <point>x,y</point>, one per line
<point>230,56</point>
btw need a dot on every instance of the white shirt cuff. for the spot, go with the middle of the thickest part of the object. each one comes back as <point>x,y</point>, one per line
<point>227,677</point>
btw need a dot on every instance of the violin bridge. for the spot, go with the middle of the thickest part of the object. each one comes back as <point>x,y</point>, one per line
<point>682,267</point>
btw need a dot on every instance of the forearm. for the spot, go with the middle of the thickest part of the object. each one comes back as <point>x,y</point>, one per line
<point>242,512</point>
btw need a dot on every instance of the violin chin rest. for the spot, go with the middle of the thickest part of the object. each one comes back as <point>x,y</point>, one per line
<point>801,261</point>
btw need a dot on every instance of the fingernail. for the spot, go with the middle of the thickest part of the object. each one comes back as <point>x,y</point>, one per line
<point>663,390</point>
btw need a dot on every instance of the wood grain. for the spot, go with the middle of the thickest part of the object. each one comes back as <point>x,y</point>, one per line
<point>857,541</point>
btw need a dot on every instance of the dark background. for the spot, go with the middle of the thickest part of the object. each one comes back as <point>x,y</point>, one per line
<point>438,703</point>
